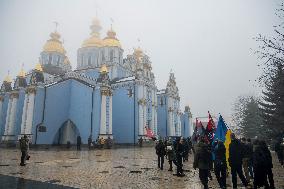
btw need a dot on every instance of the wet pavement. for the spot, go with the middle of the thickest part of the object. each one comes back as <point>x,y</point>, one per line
<point>116,168</point>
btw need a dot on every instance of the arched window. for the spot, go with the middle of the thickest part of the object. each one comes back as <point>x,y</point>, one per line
<point>58,60</point>
<point>82,60</point>
<point>49,59</point>
<point>89,60</point>
<point>111,55</point>
<point>103,56</point>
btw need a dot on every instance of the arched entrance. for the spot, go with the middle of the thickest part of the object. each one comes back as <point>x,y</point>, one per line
<point>67,132</point>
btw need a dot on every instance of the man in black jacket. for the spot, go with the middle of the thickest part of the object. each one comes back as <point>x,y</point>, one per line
<point>220,165</point>
<point>179,150</point>
<point>235,161</point>
<point>160,151</point>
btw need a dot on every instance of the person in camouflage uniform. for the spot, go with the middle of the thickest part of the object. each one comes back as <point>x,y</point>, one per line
<point>24,145</point>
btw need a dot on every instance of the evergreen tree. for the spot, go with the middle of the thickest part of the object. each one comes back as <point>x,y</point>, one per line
<point>248,117</point>
<point>271,52</point>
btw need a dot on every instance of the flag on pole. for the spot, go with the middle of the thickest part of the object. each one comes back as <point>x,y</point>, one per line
<point>210,129</point>
<point>223,133</point>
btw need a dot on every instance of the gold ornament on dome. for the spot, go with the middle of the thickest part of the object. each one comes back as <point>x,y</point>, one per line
<point>38,67</point>
<point>8,79</point>
<point>14,94</point>
<point>30,90</point>
<point>103,69</point>
<point>111,40</point>
<point>22,73</point>
<point>94,40</point>
<point>54,44</point>
<point>1,98</point>
<point>138,53</point>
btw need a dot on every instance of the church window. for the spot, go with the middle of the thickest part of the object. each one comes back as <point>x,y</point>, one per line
<point>89,60</point>
<point>103,56</point>
<point>111,53</point>
<point>58,60</point>
<point>49,59</point>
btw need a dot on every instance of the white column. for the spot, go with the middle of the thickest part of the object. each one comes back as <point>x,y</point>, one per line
<point>8,116</point>
<point>30,113</point>
<point>153,111</point>
<point>144,109</point>
<point>103,115</point>
<point>1,108</point>
<point>110,116</point>
<point>11,130</point>
<point>140,110</point>
<point>24,115</point>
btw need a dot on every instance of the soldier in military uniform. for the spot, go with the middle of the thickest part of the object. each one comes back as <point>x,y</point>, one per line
<point>24,145</point>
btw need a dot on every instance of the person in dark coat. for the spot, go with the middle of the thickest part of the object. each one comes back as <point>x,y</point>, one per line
<point>246,158</point>
<point>220,164</point>
<point>259,166</point>
<point>79,142</point>
<point>269,164</point>
<point>202,159</point>
<point>24,145</point>
<point>186,150</point>
<point>235,161</point>
<point>179,151</point>
<point>279,149</point>
<point>161,152</point>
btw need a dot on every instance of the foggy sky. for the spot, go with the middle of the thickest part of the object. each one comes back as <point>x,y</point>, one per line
<point>206,43</point>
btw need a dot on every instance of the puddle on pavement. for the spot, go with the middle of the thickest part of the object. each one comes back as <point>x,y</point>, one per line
<point>101,161</point>
<point>4,165</point>
<point>66,166</point>
<point>135,165</point>
<point>98,155</point>
<point>104,172</point>
<point>146,168</point>
<point>121,167</point>
<point>74,158</point>
<point>135,171</point>
<point>18,173</point>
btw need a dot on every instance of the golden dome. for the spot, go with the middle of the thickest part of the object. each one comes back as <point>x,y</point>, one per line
<point>103,69</point>
<point>22,73</point>
<point>38,67</point>
<point>8,79</point>
<point>94,40</point>
<point>54,44</point>
<point>111,40</point>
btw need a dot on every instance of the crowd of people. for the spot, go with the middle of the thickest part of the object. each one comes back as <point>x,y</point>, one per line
<point>250,161</point>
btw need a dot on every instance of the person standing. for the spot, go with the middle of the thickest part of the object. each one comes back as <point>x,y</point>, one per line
<point>220,165</point>
<point>186,150</point>
<point>160,151</point>
<point>24,145</point>
<point>268,164</point>
<point>202,158</point>
<point>246,158</point>
<point>179,151</point>
<point>259,168</point>
<point>79,142</point>
<point>235,161</point>
<point>250,154</point>
<point>170,154</point>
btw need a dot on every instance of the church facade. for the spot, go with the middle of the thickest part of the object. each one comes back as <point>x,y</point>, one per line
<point>107,95</point>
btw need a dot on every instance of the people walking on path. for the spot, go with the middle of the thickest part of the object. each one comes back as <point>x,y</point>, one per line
<point>79,142</point>
<point>160,151</point>
<point>90,142</point>
<point>220,164</point>
<point>24,146</point>
<point>235,161</point>
<point>202,158</point>
<point>250,165</point>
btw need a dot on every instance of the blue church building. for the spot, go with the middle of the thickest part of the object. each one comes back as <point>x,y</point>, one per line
<point>107,95</point>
